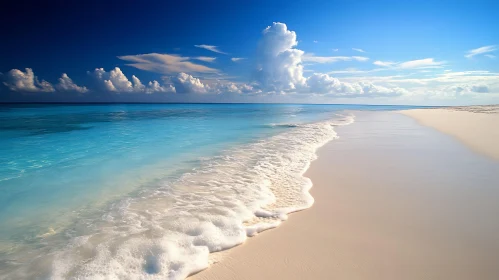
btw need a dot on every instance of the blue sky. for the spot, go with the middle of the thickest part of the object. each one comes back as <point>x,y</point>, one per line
<point>376,52</point>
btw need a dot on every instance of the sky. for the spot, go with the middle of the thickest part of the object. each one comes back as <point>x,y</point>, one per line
<point>315,51</point>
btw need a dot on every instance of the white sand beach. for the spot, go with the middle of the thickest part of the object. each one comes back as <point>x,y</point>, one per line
<point>394,199</point>
<point>475,126</point>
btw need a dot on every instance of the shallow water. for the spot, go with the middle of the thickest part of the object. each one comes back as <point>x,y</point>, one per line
<point>148,191</point>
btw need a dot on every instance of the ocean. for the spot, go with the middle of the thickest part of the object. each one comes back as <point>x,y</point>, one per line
<point>148,191</point>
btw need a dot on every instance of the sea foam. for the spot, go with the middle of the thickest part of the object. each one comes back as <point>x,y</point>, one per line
<point>168,232</point>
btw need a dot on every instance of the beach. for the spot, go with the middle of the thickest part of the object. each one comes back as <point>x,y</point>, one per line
<point>395,198</point>
<point>475,126</point>
<point>384,195</point>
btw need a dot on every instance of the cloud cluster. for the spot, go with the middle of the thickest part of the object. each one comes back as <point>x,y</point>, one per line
<point>185,83</point>
<point>223,87</point>
<point>17,80</point>
<point>281,69</point>
<point>325,84</point>
<point>116,81</point>
<point>457,91</point>
<point>444,86</point>
<point>67,84</point>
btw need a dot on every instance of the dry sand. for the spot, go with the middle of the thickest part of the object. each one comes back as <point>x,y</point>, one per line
<point>476,126</point>
<point>394,200</point>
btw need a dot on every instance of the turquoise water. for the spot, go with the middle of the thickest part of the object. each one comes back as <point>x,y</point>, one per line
<point>87,174</point>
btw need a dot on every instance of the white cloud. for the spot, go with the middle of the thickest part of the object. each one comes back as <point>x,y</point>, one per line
<point>185,83</point>
<point>116,81</point>
<point>315,41</point>
<point>420,63</point>
<point>279,63</point>
<point>166,63</point>
<point>154,86</point>
<point>335,50</point>
<point>281,69</point>
<point>119,81</point>
<point>222,87</point>
<point>354,71</point>
<point>205,58</point>
<point>17,80</point>
<point>310,57</point>
<point>324,84</point>
<point>210,48</point>
<point>67,84</point>
<point>457,91</point>
<point>425,63</point>
<point>481,50</point>
<point>384,63</point>
<point>447,85</point>
<point>359,50</point>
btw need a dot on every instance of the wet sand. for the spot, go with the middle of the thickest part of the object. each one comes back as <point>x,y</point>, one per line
<point>393,200</point>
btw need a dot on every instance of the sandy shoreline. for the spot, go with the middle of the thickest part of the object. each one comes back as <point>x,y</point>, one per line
<point>475,126</point>
<point>394,200</point>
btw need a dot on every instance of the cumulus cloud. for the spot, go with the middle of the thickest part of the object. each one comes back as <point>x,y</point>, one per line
<point>358,50</point>
<point>281,70</point>
<point>481,50</point>
<point>154,86</point>
<point>457,91</point>
<point>185,83</point>
<point>324,84</point>
<point>67,84</point>
<point>17,80</point>
<point>210,48</point>
<point>310,57</point>
<point>167,63</point>
<point>230,87</point>
<point>279,63</point>
<point>448,85</point>
<point>116,81</point>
